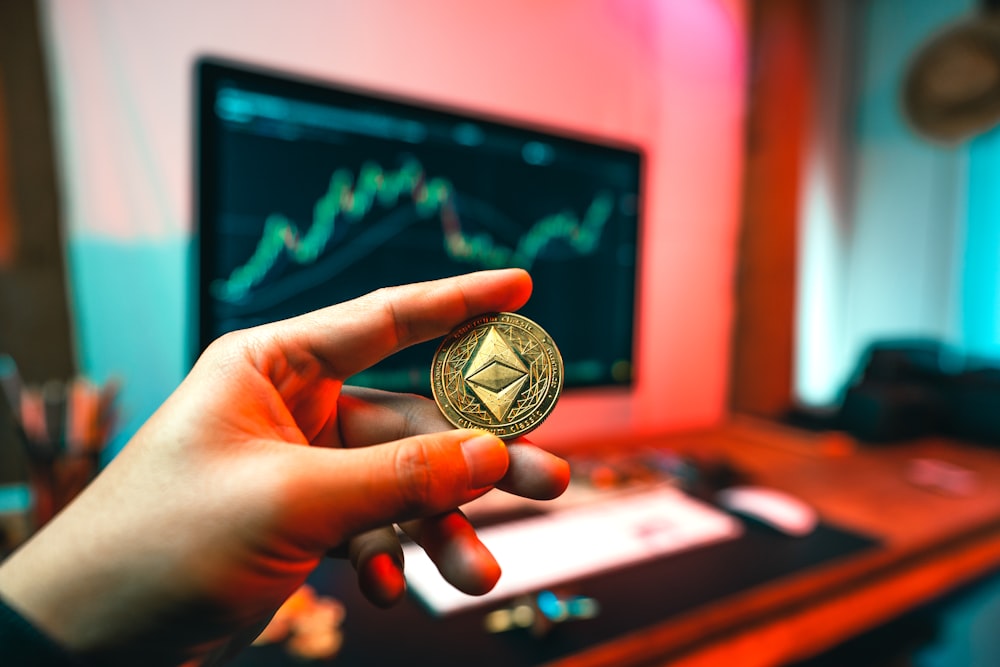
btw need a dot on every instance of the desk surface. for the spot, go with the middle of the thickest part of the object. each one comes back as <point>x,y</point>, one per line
<point>929,545</point>
<point>932,543</point>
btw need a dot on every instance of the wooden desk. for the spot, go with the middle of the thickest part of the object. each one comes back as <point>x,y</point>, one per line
<point>933,543</point>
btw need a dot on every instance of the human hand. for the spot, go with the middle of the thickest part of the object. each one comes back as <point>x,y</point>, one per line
<point>262,462</point>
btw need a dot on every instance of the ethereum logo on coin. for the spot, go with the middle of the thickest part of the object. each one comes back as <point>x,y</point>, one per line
<point>496,373</point>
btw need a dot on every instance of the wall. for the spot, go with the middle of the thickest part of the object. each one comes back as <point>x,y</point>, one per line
<point>667,75</point>
<point>979,302</point>
<point>882,256</point>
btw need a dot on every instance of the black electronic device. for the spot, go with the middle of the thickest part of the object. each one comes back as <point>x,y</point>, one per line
<point>310,193</point>
<point>905,389</point>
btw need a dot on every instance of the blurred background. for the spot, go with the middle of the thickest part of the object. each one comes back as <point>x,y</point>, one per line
<point>818,196</point>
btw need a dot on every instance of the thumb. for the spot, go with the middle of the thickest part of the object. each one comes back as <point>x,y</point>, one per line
<point>415,477</point>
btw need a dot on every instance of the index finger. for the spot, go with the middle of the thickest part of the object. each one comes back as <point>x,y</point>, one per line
<point>351,336</point>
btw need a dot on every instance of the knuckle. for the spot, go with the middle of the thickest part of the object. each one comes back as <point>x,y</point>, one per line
<point>415,472</point>
<point>380,305</point>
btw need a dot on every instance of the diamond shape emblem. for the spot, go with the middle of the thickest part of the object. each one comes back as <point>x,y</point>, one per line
<point>496,373</point>
<point>495,377</point>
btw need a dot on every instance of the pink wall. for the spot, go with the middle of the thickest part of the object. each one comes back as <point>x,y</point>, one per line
<point>667,74</point>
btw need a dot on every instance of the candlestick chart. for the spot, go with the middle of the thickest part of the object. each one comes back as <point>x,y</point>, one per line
<point>363,210</point>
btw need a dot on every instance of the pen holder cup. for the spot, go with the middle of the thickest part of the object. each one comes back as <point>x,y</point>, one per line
<point>64,427</point>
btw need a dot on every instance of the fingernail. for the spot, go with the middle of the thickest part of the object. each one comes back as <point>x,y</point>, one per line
<point>382,579</point>
<point>485,458</point>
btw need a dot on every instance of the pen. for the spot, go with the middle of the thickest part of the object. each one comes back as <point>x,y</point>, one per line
<point>81,413</point>
<point>105,417</point>
<point>10,379</point>
<point>54,405</point>
<point>33,423</point>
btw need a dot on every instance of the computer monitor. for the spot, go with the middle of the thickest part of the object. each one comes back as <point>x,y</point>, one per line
<point>311,193</point>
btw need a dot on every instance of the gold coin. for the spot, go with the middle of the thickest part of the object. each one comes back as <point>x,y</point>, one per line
<point>499,372</point>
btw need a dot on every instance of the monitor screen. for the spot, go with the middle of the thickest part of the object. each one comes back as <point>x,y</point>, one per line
<point>311,193</point>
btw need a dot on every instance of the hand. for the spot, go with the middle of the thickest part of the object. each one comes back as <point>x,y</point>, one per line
<point>260,464</point>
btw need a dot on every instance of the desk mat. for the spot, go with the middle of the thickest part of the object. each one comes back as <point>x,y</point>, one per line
<point>630,599</point>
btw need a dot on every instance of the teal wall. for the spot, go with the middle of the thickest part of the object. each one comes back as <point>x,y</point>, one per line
<point>980,278</point>
<point>132,319</point>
